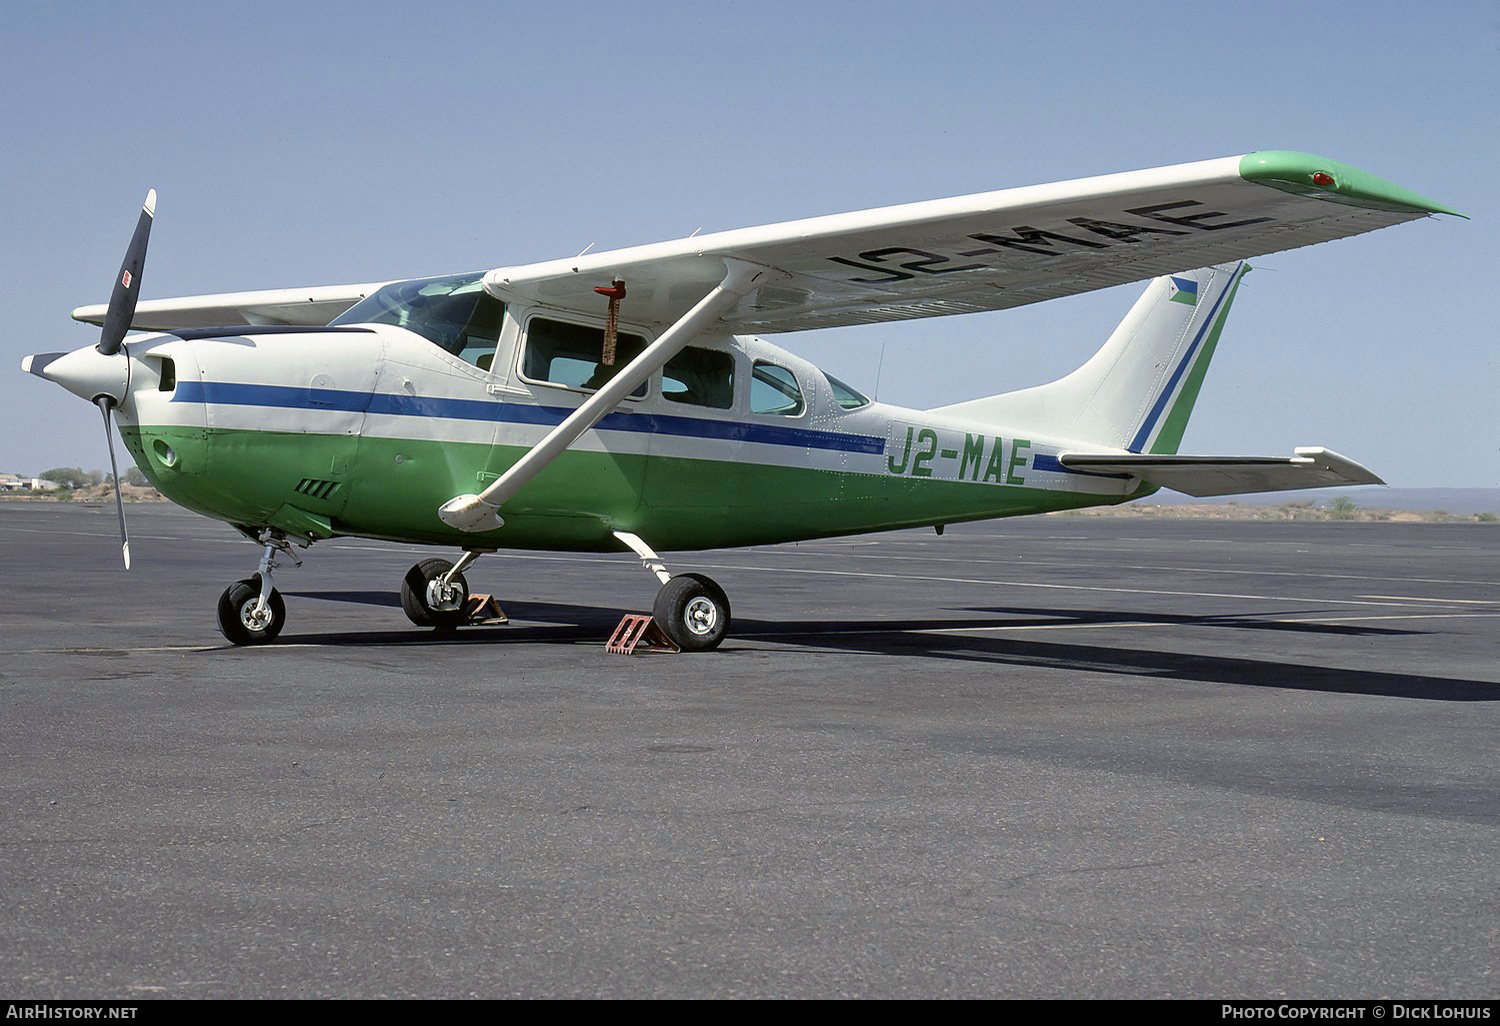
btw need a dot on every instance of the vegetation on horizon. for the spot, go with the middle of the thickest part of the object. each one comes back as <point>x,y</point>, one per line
<point>1339,508</point>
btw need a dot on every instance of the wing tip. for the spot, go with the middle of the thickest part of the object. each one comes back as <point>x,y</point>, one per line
<point>1307,174</point>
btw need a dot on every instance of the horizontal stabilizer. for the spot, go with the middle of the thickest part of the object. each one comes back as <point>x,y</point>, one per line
<point>1202,476</point>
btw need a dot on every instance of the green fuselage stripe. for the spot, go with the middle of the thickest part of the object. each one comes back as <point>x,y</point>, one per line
<point>391,488</point>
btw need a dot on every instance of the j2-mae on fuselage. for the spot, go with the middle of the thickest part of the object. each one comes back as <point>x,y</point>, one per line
<point>367,426</point>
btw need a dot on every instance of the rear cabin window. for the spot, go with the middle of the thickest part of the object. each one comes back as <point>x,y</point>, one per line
<point>572,355</point>
<point>699,377</point>
<point>774,390</point>
<point>845,396</point>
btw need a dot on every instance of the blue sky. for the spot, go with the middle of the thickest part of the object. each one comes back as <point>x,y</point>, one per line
<point>315,143</point>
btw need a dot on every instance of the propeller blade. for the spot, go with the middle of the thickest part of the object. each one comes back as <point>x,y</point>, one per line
<point>128,285</point>
<point>106,404</point>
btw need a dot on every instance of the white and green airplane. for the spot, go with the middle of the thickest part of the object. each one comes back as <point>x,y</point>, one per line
<point>624,399</point>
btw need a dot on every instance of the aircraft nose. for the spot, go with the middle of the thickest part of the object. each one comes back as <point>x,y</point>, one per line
<point>86,372</point>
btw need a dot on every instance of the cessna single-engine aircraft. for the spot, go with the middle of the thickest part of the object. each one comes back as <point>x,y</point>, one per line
<point>624,400</point>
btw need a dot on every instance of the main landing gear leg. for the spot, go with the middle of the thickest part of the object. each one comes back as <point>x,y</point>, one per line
<point>435,593</point>
<point>692,609</point>
<point>251,611</point>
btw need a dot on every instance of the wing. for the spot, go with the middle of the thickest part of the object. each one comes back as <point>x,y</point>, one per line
<point>1229,475</point>
<point>989,251</point>
<point>312,306</point>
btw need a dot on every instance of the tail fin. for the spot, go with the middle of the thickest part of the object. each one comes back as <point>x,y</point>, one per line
<point>1137,391</point>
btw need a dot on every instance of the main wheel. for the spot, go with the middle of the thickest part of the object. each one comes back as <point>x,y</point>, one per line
<point>693,611</point>
<point>238,619</point>
<point>422,603</point>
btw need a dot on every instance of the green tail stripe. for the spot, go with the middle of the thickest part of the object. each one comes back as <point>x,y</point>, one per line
<point>1170,438</point>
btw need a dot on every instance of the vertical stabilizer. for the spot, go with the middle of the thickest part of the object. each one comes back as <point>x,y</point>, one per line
<point>1137,391</point>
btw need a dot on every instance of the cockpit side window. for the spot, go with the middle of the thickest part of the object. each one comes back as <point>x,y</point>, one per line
<point>774,390</point>
<point>454,313</point>
<point>572,355</point>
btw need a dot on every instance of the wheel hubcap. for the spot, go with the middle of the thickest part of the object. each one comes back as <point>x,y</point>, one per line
<point>254,618</point>
<point>442,599</point>
<point>701,616</point>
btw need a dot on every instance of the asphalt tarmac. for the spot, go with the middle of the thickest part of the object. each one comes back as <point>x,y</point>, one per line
<point>1056,757</point>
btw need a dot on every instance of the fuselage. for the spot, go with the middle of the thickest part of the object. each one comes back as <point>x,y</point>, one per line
<point>365,430</point>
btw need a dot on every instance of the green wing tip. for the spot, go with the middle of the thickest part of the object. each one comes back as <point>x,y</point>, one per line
<point>1307,174</point>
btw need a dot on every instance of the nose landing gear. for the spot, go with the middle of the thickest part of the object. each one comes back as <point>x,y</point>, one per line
<point>251,612</point>
<point>248,618</point>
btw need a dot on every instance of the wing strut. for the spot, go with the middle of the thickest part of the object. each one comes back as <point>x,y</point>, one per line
<point>481,512</point>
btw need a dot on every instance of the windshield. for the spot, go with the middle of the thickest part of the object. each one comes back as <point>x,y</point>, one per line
<point>453,312</point>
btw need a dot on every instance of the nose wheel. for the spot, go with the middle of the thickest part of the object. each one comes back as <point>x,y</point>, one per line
<point>244,619</point>
<point>251,612</point>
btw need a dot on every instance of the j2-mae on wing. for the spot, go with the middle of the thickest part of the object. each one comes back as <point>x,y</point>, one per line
<point>989,251</point>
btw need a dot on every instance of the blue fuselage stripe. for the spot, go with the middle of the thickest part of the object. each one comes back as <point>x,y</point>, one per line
<point>228,393</point>
<point>1166,393</point>
<point>1044,461</point>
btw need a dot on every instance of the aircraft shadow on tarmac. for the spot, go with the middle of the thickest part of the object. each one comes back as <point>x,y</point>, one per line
<point>928,639</point>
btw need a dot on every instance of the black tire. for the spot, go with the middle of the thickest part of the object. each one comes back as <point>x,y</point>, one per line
<point>234,609</point>
<point>414,596</point>
<point>693,611</point>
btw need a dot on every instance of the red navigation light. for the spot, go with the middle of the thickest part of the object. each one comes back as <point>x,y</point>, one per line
<point>1322,178</point>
